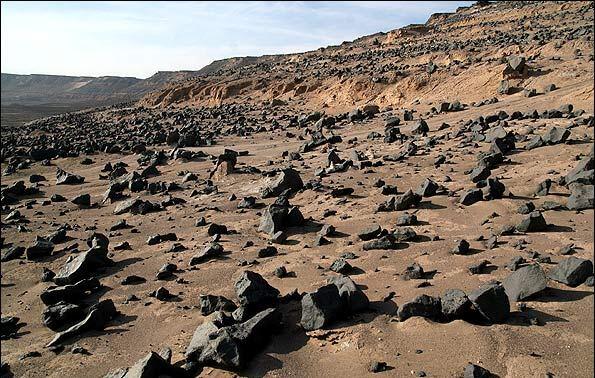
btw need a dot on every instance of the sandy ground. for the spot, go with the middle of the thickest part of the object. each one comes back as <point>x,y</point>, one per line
<point>562,345</point>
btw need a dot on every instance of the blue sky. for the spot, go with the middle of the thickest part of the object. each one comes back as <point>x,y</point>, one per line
<point>141,38</point>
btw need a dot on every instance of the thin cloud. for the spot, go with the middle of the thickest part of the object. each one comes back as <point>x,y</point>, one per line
<point>140,38</point>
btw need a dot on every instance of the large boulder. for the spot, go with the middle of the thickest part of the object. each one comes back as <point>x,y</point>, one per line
<point>82,266</point>
<point>65,178</point>
<point>423,305</point>
<point>491,302</point>
<point>288,179</point>
<point>278,217</point>
<point>12,253</point>
<point>572,271</point>
<point>525,282</point>
<point>96,319</point>
<point>152,365</point>
<point>136,206</point>
<point>476,371</point>
<point>556,135</point>
<point>583,172</point>
<point>321,307</point>
<point>534,222</point>
<point>471,196</point>
<point>582,197</point>
<point>61,314</point>
<point>212,251</point>
<point>338,299</point>
<point>211,303</point>
<point>230,347</point>
<point>254,293</point>
<point>354,299</point>
<point>40,249</point>
<point>515,67</point>
<point>69,293</point>
<point>455,304</point>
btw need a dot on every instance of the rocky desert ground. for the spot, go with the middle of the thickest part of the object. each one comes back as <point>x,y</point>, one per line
<point>412,203</point>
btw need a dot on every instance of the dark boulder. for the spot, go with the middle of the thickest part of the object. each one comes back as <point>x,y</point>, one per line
<point>97,318</point>
<point>65,178</point>
<point>525,282</point>
<point>455,304</point>
<point>254,292</point>
<point>321,307</point>
<point>491,302</point>
<point>534,222</point>
<point>572,271</point>
<point>423,305</point>
<point>288,179</point>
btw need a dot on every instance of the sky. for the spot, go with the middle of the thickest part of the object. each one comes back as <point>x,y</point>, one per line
<point>140,38</point>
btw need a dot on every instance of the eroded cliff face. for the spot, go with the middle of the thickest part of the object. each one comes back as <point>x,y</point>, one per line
<point>468,47</point>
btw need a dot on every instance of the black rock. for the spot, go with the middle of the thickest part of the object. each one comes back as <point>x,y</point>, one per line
<point>212,251</point>
<point>230,347</point>
<point>61,314</point>
<point>424,305</point>
<point>133,280</point>
<point>526,208</point>
<point>478,268</point>
<point>572,271</point>
<point>377,367</point>
<point>407,201</point>
<point>215,229</point>
<point>9,326</point>
<point>47,275</point>
<point>385,242</point>
<point>82,200</point>
<point>525,282</point>
<point>288,179</point>
<point>40,249</point>
<point>475,371</point>
<point>267,251</point>
<point>427,188</point>
<point>166,271</point>
<point>254,292</point>
<point>82,266</point>
<point>491,302</point>
<point>65,178</point>
<point>341,266</point>
<point>162,294</point>
<point>543,188</point>
<point>413,271</point>
<point>13,253</point>
<point>321,307</point>
<point>370,232</point>
<point>211,303</point>
<point>406,219</point>
<point>354,299</point>
<point>279,217</point>
<point>471,196</point>
<point>582,197</point>
<point>69,293</point>
<point>556,135</point>
<point>96,319</point>
<point>455,304</point>
<point>247,203</point>
<point>534,222</point>
<point>480,173</point>
<point>462,248</point>
<point>152,365</point>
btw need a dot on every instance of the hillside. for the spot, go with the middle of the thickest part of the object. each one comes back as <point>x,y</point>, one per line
<point>468,49</point>
<point>79,90</point>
